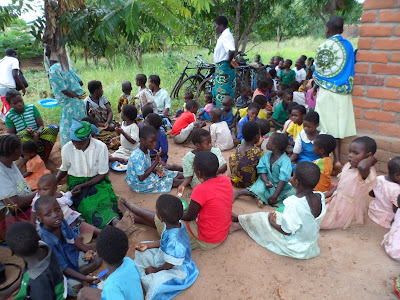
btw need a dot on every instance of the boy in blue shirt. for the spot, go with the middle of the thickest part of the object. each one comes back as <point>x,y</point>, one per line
<point>252,111</point>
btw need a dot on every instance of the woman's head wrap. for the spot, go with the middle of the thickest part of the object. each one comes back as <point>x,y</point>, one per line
<point>82,130</point>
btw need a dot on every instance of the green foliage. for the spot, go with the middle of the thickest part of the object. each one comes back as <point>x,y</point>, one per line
<point>8,13</point>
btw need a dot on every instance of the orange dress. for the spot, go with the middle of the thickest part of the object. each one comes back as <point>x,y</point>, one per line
<point>326,166</point>
<point>37,167</point>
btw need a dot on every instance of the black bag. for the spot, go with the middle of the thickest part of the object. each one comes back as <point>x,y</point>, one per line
<point>23,80</point>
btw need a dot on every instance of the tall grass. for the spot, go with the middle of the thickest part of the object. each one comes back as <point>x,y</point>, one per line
<point>154,63</point>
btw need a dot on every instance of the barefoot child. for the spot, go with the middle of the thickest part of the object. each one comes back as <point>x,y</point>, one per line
<point>126,97</point>
<point>35,167</point>
<point>220,134</point>
<point>75,259</point>
<point>252,111</point>
<point>188,96</point>
<point>201,139</point>
<point>287,75</point>
<point>244,99</point>
<point>347,207</point>
<point>297,115</point>
<point>145,97</point>
<point>244,161</point>
<point>391,240</point>
<point>295,231</point>
<point>142,175</point>
<point>229,115</point>
<point>280,115</point>
<point>155,121</point>
<point>264,87</point>
<point>324,144</point>
<point>383,207</point>
<point>274,170</point>
<point>166,265</point>
<point>204,113</point>
<point>261,100</point>
<point>265,134</point>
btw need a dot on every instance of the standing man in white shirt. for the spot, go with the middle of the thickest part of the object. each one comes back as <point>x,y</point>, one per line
<point>9,69</point>
<point>223,55</point>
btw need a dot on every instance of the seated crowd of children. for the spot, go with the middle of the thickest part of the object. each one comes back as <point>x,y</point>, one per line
<point>281,159</point>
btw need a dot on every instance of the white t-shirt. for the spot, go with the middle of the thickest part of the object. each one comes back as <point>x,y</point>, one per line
<point>7,64</point>
<point>162,100</point>
<point>225,43</point>
<point>221,136</point>
<point>300,98</point>
<point>133,131</point>
<point>300,74</point>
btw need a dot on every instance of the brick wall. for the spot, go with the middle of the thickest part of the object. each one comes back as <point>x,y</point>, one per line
<point>376,95</point>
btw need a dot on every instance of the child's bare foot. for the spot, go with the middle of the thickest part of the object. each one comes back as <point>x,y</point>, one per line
<point>122,206</point>
<point>260,204</point>
<point>126,224</point>
<point>235,226</point>
<point>239,193</point>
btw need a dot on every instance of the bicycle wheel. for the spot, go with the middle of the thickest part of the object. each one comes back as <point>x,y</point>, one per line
<point>175,89</point>
<point>188,85</point>
<point>205,86</point>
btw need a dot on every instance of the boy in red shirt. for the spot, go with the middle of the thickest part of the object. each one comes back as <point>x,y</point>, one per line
<point>208,218</point>
<point>185,124</point>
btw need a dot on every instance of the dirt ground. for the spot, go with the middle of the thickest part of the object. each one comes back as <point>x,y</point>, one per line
<point>352,264</point>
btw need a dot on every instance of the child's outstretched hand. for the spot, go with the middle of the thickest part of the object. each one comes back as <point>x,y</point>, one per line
<point>89,255</point>
<point>141,247</point>
<point>150,270</point>
<point>181,189</point>
<point>119,130</point>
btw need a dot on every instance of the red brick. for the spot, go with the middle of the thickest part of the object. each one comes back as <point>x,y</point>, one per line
<point>391,69</point>
<point>393,82</point>
<point>361,68</point>
<point>368,80</point>
<point>383,156</point>
<point>382,144</point>
<point>395,147</point>
<point>398,30</point>
<point>372,56</point>
<point>364,43</point>
<point>383,93</point>
<point>389,16</point>
<point>358,91</point>
<point>389,129</point>
<point>375,30</point>
<point>379,116</point>
<point>387,44</point>
<point>363,103</point>
<point>368,17</point>
<point>366,125</point>
<point>376,4</point>
<point>391,106</point>
<point>395,57</point>
<point>357,113</point>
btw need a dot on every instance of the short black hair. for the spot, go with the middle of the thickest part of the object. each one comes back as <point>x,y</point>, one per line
<point>198,135</point>
<point>23,239</point>
<point>245,87</point>
<point>287,92</point>
<point>11,94</point>
<point>253,106</point>
<point>8,144</point>
<point>280,141</point>
<point>48,177</point>
<point>369,143</point>
<point>126,84</point>
<point>141,78</point>
<point>335,24</point>
<point>206,162</point>
<point>303,57</point>
<point>312,117</point>
<point>394,166</point>
<point>42,201</point>
<point>93,86</point>
<point>300,108</point>
<point>272,72</point>
<point>147,109</point>
<point>264,125</point>
<point>155,79</point>
<point>294,85</point>
<point>250,130</point>
<point>189,95</point>
<point>217,112</point>
<point>147,131</point>
<point>260,99</point>
<point>290,61</point>
<point>154,120</point>
<point>112,244</point>
<point>284,86</point>
<point>169,208</point>
<point>291,106</point>
<point>30,146</point>
<point>191,104</point>
<point>307,174</point>
<point>221,20</point>
<point>326,142</point>
<point>130,111</point>
<point>265,83</point>
<point>10,52</point>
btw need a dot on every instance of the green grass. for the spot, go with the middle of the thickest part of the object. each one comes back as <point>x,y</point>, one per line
<point>153,63</point>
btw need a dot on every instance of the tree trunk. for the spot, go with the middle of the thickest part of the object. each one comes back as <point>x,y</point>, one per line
<point>138,57</point>
<point>86,54</point>
<point>278,36</point>
<point>109,63</point>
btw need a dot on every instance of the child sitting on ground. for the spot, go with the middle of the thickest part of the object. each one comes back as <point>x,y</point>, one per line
<point>347,205</point>
<point>280,115</point>
<point>208,217</point>
<point>265,127</point>
<point>244,161</point>
<point>297,115</point>
<point>35,166</point>
<point>123,276</point>
<point>298,97</point>
<point>383,207</point>
<point>229,115</point>
<point>129,134</point>
<point>324,144</point>
<point>201,139</point>
<point>204,113</point>
<point>244,99</point>
<point>143,175</point>
<point>75,259</point>
<point>220,134</point>
<point>145,111</point>
<point>274,170</point>
<point>145,96</point>
<point>188,96</point>
<point>300,72</point>
<point>155,121</point>
<point>311,95</point>
<point>166,265</point>
<point>252,111</point>
<point>295,231</point>
<point>42,278</point>
<point>126,97</point>
<point>391,240</point>
<point>287,75</point>
<point>261,100</point>
<point>303,149</point>
<point>264,87</point>
<point>288,121</point>
<point>185,124</point>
